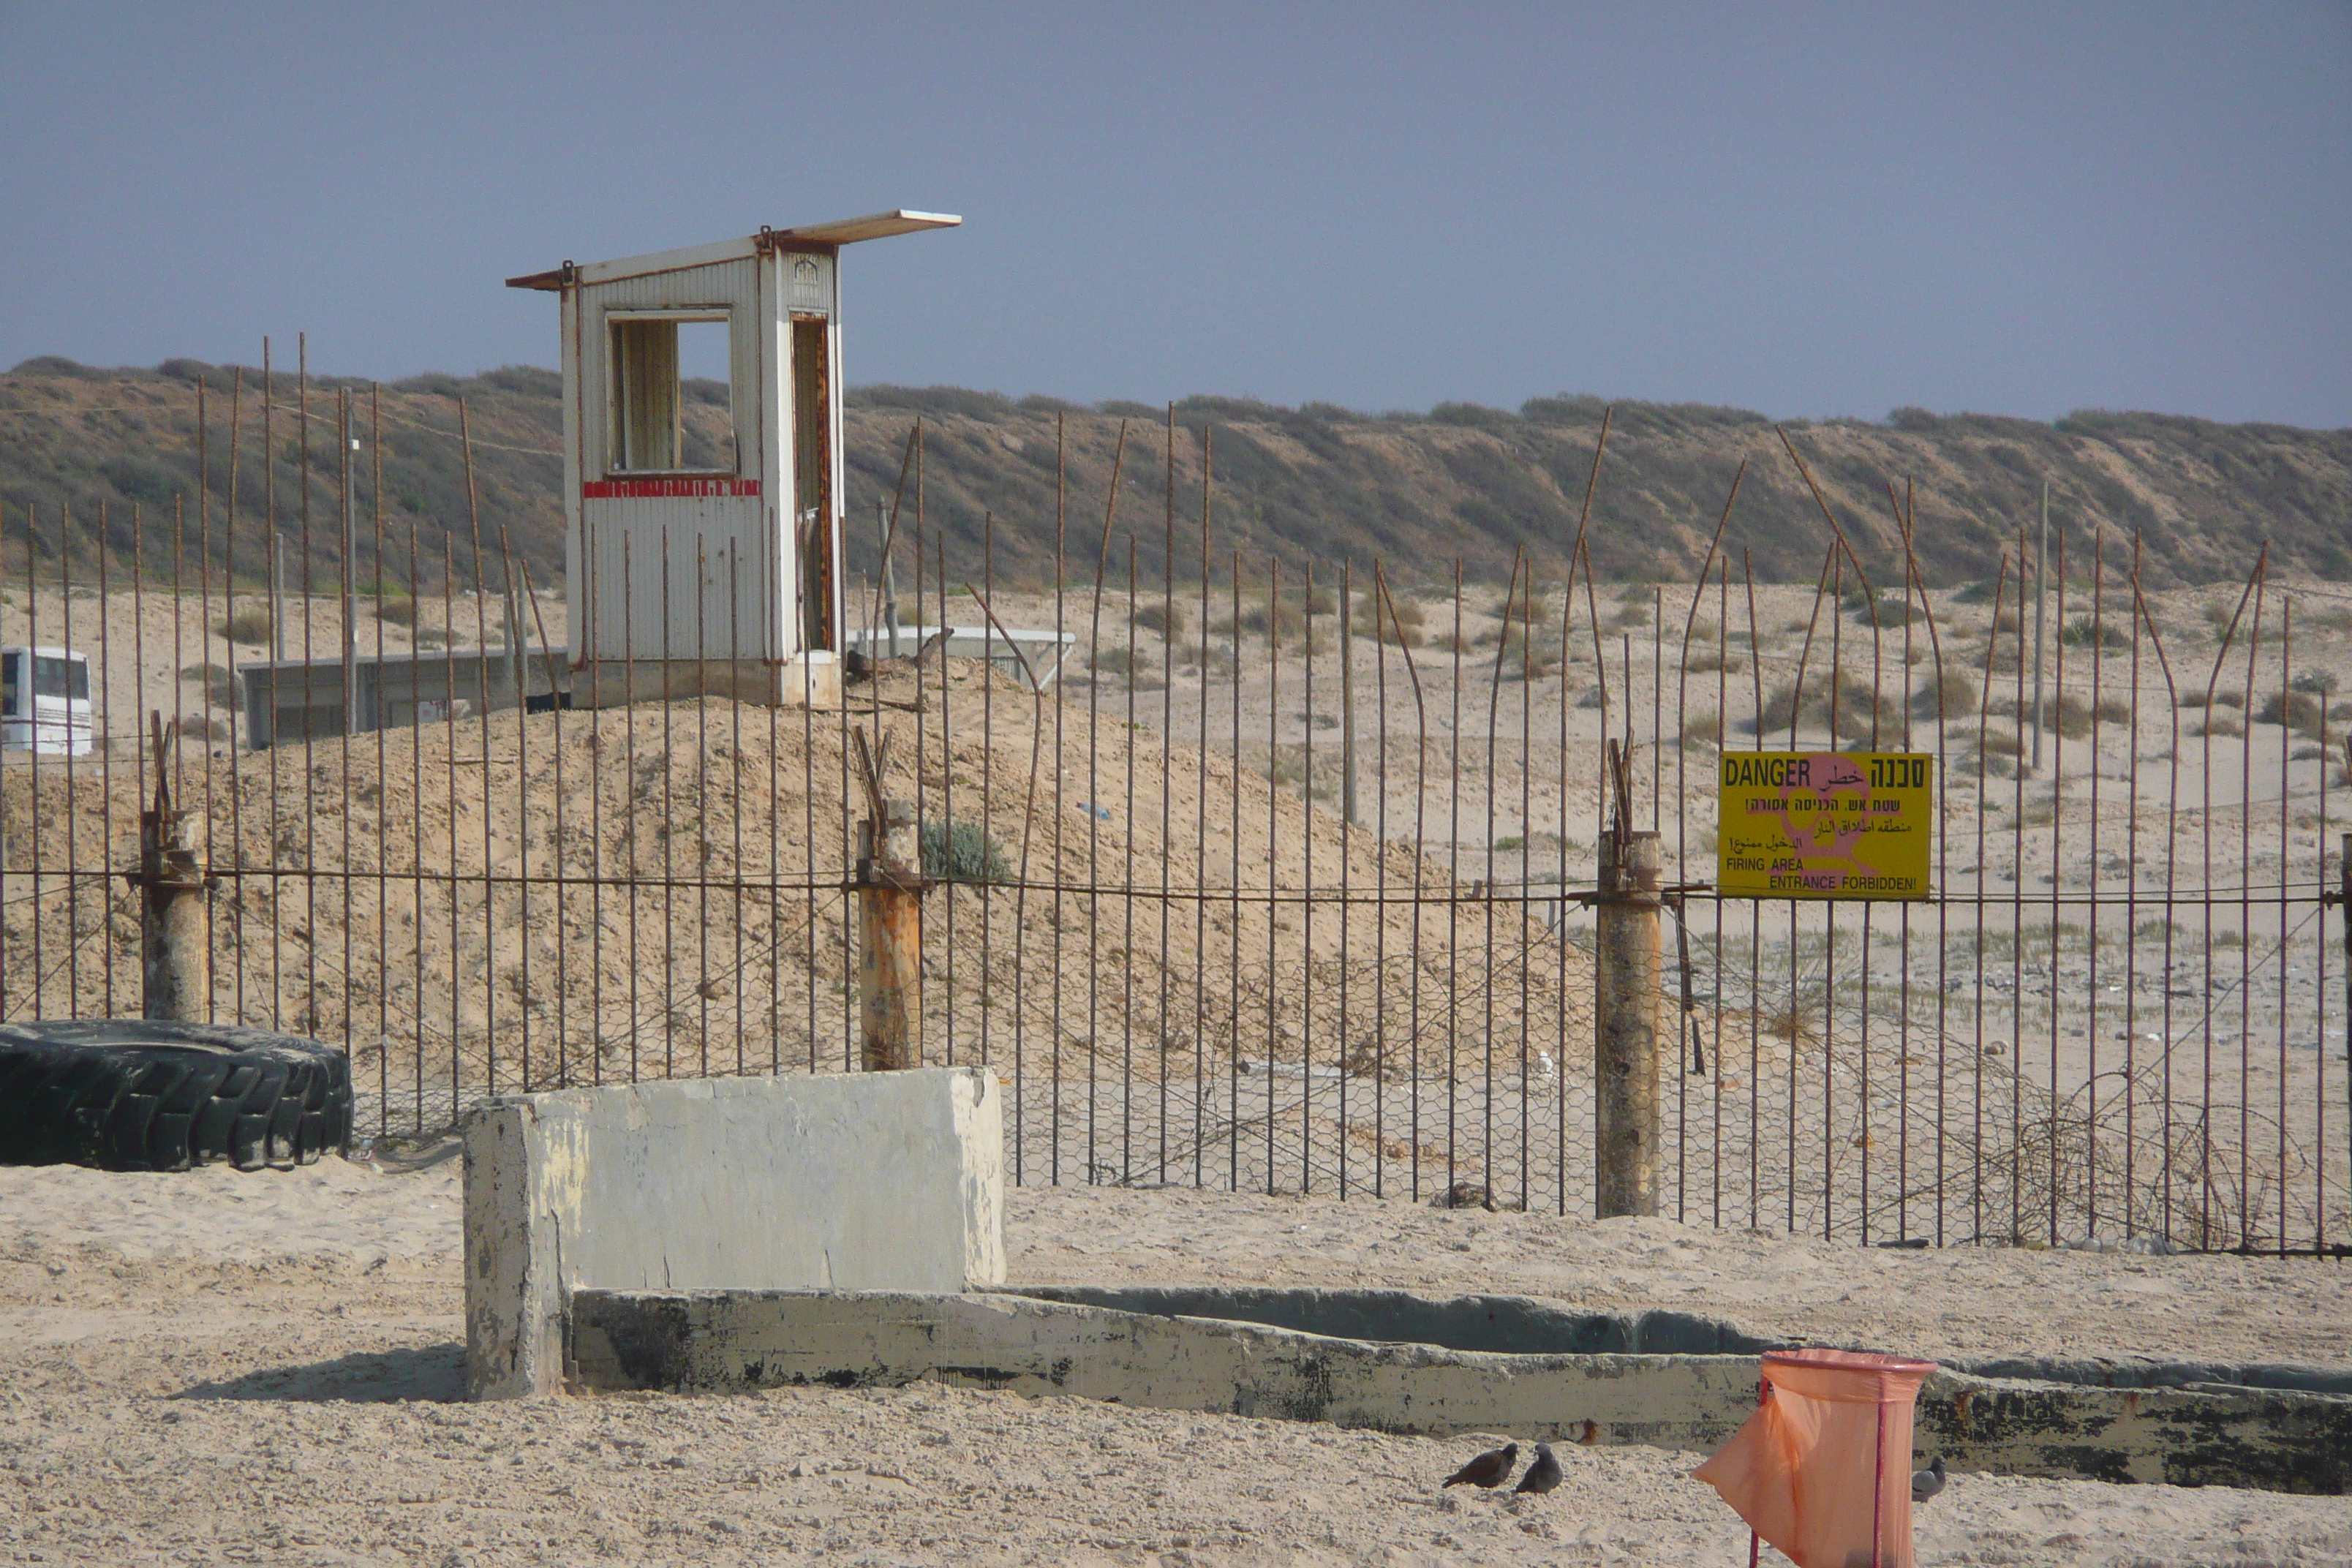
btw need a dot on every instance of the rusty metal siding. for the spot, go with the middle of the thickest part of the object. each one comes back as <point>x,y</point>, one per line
<point>778,633</point>
<point>578,602</point>
<point>833,383</point>
<point>696,570</point>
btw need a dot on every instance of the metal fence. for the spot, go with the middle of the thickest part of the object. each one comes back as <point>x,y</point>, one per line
<point>1278,882</point>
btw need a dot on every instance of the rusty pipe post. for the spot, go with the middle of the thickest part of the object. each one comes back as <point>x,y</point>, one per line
<point>890,939</point>
<point>1626,973</point>
<point>175,968</point>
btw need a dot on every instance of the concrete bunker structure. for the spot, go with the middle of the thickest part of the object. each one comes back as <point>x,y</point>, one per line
<point>703,536</point>
<point>287,701</point>
<point>846,1230</point>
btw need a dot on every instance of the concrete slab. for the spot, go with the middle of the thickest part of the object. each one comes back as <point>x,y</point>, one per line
<point>864,1181</point>
<point>745,1340</point>
<point>1520,1325</point>
<point>2200,1434</point>
<point>1504,1325</point>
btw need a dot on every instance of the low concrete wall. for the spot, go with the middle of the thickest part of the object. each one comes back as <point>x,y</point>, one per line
<point>1520,1325</point>
<point>2202,1435</point>
<point>1500,1325</point>
<point>864,1181</point>
<point>744,1340</point>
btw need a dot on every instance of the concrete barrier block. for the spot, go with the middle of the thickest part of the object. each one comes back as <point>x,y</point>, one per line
<point>837,1182</point>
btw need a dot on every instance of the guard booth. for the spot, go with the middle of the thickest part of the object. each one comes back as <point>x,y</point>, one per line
<point>702,465</point>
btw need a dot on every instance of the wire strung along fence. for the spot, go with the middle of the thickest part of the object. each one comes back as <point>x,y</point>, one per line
<point>1256,873</point>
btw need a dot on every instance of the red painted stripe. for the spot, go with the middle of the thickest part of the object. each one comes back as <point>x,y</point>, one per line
<point>660,490</point>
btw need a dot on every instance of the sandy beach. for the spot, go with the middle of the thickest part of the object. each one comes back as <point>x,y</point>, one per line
<point>216,1368</point>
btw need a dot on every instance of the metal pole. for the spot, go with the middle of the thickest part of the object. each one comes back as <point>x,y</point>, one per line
<point>350,646</point>
<point>889,924</point>
<point>2041,602</point>
<point>175,960</point>
<point>1347,693</point>
<point>276,620</point>
<point>890,588</point>
<point>512,606</point>
<point>1626,974</point>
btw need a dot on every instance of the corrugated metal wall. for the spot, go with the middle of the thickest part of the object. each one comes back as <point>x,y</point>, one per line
<point>684,576</point>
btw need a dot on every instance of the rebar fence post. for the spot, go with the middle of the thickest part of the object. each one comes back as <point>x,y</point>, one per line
<point>889,926</point>
<point>1626,975</point>
<point>175,960</point>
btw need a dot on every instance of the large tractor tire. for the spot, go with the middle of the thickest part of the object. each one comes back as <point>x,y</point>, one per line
<point>131,1094</point>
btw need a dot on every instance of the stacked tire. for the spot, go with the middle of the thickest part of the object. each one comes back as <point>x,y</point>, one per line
<point>119,1094</point>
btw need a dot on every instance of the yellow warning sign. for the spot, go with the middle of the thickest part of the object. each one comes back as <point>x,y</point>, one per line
<point>1824,825</point>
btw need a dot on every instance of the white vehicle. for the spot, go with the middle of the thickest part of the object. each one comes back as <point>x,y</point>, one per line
<point>45,702</point>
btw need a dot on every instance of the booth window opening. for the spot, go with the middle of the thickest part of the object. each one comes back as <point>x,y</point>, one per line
<point>672,398</point>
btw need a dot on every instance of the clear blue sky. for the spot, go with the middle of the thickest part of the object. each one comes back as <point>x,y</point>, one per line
<point>1810,210</point>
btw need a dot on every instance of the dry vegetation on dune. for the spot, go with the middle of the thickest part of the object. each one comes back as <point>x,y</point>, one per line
<point>1317,482</point>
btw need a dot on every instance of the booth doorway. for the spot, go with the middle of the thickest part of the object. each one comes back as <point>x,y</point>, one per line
<point>813,478</point>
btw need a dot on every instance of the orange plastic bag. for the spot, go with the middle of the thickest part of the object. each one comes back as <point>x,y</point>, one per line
<point>1800,1472</point>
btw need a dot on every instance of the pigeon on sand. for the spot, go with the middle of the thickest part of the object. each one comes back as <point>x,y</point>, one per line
<point>1489,1469</point>
<point>1543,1475</point>
<point>1926,1483</point>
